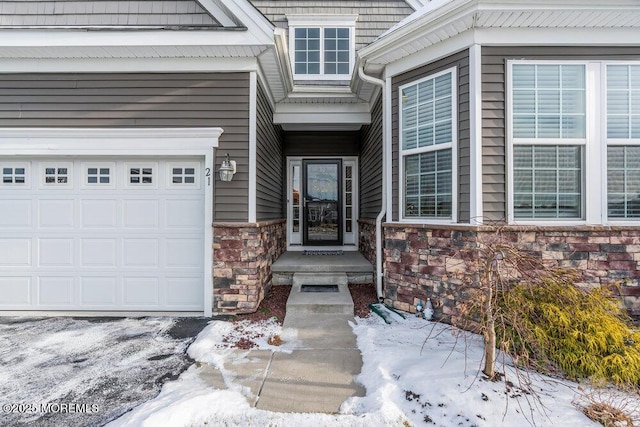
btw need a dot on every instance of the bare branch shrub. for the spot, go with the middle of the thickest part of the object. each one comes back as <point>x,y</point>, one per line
<point>609,406</point>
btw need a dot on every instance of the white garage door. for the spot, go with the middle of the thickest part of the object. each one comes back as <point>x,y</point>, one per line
<point>101,234</point>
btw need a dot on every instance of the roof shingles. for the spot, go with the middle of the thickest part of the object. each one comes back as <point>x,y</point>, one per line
<point>87,13</point>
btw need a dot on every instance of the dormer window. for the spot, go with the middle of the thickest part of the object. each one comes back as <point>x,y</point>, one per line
<point>322,47</point>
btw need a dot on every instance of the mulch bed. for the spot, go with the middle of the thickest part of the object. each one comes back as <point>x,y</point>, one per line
<point>363,295</point>
<point>275,303</point>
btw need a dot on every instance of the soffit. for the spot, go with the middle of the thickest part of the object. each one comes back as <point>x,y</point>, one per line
<point>446,19</point>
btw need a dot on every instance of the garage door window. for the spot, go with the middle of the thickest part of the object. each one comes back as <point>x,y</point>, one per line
<point>56,175</point>
<point>183,175</point>
<point>98,175</point>
<point>14,175</point>
<point>141,175</point>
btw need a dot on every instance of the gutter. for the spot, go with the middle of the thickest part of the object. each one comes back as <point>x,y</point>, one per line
<point>381,214</point>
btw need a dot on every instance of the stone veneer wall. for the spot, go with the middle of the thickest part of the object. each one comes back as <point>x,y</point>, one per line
<point>429,261</point>
<point>242,258</point>
<point>367,239</point>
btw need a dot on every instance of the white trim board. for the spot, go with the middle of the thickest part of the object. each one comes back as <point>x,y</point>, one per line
<point>419,56</point>
<point>253,141</point>
<point>322,113</point>
<point>143,38</point>
<point>123,65</point>
<point>476,212</point>
<point>128,142</point>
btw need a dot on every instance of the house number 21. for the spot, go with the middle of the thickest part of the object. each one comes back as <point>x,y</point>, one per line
<point>208,175</point>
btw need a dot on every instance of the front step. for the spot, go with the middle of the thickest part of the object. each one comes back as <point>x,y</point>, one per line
<point>320,302</point>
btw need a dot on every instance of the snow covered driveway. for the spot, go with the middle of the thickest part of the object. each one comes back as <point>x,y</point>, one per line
<point>86,372</point>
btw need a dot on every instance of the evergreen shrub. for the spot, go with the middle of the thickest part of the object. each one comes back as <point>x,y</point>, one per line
<point>557,326</point>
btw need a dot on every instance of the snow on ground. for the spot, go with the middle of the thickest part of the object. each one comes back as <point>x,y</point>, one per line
<point>409,380</point>
<point>113,364</point>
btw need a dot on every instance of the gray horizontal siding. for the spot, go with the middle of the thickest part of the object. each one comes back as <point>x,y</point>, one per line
<point>494,126</point>
<point>459,60</point>
<point>374,16</point>
<point>322,143</point>
<point>269,162</point>
<point>142,100</point>
<point>371,165</point>
<point>79,13</point>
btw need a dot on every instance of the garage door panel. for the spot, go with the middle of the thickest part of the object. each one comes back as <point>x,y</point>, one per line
<point>141,291</point>
<point>98,252</point>
<point>98,291</point>
<point>15,213</point>
<point>183,252</point>
<point>15,291</point>
<point>56,214</point>
<point>184,291</point>
<point>99,213</point>
<point>140,213</point>
<point>55,252</point>
<point>92,239</point>
<point>15,252</point>
<point>55,291</point>
<point>140,253</point>
<point>184,214</point>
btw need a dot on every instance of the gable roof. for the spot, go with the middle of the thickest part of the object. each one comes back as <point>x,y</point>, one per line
<point>239,32</point>
<point>485,22</point>
<point>144,14</point>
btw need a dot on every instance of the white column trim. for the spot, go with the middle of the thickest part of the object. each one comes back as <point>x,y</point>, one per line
<point>253,111</point>
<point>209,165</point>
<point>595,155</point>
<point>475,144</point>
<point>387,126</point>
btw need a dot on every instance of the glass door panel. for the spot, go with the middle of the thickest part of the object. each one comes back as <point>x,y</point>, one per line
<point>322,202</point>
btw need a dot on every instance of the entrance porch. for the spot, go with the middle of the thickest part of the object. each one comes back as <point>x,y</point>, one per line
<point>352,263</point>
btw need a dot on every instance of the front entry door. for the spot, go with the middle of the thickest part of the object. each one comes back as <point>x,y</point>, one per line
<point>322,202</point>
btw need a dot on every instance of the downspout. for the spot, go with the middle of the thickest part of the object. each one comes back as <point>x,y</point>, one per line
<point>381,83</point>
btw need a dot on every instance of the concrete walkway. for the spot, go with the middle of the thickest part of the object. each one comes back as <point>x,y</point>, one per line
<point>317,376</point>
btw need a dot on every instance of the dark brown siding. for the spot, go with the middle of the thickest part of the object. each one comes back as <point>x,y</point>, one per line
<point>494,62</point>
<point>321,143</point>
<point>459,60</point>
<point>269,162</point>
<point>142,100</point>
<point>371,165</point>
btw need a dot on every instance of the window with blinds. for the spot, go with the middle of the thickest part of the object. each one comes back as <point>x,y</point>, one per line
<point>623,141</point>
<point>428,123</point>
<point>574,140</point>
<point>548,134</point>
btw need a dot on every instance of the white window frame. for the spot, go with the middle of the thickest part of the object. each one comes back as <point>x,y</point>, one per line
<point>141,165</point>
<point>436,147</point>
<point>182,165</point>
<point>322,22</point>
<point>99,165</point>
<point>16,165</point>
<point>594,146</point>
<point>612,142</point>
<point>56,165</point>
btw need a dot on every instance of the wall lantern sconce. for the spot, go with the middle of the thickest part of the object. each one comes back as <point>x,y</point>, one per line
<point>227,169</point>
